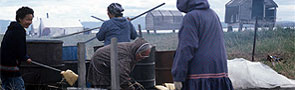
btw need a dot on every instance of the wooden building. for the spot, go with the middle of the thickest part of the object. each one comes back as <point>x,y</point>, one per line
<point>163,20</point>
<point>246,11</point>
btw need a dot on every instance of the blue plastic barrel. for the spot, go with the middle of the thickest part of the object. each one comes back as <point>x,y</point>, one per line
<point>69,53</point>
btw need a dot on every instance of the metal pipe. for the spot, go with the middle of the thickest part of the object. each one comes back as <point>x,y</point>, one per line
<point>75,33</point>
<point>46,66</point>
<point>98,18</point>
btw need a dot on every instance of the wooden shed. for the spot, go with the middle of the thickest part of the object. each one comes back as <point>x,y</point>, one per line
<point>163,20</point>
<point>246,11</point>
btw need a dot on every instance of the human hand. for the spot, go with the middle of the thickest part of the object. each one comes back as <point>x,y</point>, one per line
<point>29,61</point>
<point>128,19</point>
<point>178,85</point>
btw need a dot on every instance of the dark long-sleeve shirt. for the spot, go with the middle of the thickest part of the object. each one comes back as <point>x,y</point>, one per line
<point>13,49</point>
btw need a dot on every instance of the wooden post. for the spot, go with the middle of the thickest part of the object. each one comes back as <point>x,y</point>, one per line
<point>254,43</point>
<point>114,65</point>
<point>229,29</point>
<point>139,30</point>
<point>81,65</point>
<point>240,27</point>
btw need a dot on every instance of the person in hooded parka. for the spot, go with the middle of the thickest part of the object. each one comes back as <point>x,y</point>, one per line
<point>200,62</point>
<point>129,53</point>
<point>118,26</point>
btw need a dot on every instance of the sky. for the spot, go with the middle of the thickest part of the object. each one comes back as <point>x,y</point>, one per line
<point>83,9</point>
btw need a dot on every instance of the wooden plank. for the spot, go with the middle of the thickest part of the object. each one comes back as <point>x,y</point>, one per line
<point>114,65</point>
<point>81,65</point>
<point>139,30</point>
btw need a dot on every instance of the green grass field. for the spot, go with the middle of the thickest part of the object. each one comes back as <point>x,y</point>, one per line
<point>279,42</point>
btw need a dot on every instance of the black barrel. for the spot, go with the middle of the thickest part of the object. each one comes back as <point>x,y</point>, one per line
<point>144,71</point>
<point>48,52</point>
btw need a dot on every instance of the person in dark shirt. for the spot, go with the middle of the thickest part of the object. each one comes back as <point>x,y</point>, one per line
<point>200,62</point>
<point>14,50</point>
<point>118,26</point>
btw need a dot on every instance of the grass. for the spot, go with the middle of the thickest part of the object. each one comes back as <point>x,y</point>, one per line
<point>279,42</point>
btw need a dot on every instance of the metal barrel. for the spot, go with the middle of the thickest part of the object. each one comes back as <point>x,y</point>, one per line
<point>144,71</point>
<point>69,53</point>
<point>48,52</point>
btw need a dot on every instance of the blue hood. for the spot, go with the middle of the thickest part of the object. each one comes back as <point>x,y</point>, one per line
<point>189,5</point>
<point>120,22</point>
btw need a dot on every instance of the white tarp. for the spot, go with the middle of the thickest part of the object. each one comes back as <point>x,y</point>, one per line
<point>245,74</point>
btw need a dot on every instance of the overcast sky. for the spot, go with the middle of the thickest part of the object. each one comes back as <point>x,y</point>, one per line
<point>83,9</point>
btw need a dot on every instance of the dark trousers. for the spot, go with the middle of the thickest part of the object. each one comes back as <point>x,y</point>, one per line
<point>12,83</point>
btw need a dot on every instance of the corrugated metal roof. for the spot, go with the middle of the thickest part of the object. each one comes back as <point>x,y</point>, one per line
<point>156,13</point>
<point>163,20</point>
<point>166,13</point>
<point>176,13</point>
